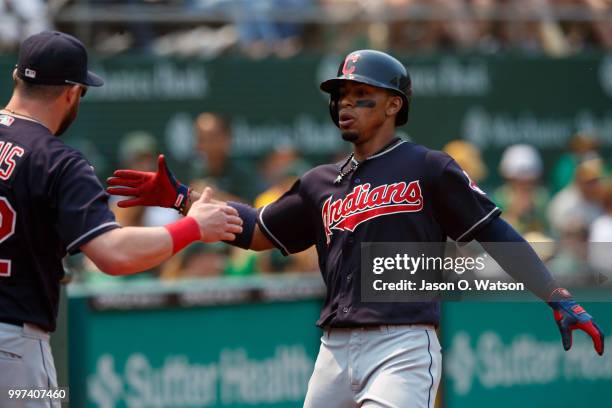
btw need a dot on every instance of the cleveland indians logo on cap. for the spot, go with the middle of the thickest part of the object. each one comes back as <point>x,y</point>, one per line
<point>349,66</point>
<point>363,204</point>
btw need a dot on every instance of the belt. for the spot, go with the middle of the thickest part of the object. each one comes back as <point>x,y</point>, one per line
<point>13,322</point>
<point>24,329</point>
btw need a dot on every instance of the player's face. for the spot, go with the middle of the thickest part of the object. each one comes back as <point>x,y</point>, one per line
<point>363,109</point>
<point>72,108</point>
<point>212,141</point>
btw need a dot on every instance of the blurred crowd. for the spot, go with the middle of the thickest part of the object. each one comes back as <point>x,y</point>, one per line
<point>569,204</point>
<point>283,28</point>
<point>551,27</point>
<point>232,179</point>
<point>565,208</point>
<point>20,19</point>
<point>564,214</point>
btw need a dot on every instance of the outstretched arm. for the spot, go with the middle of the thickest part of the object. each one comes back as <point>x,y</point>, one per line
<point>525,266</point>
<point>255,240</point>
<point>162,189</point>
<point>129,250</point>
<point>259,241</point>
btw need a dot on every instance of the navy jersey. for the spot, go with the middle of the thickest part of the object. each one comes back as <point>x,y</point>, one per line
<point>406,193</point>
<point>51,203</point>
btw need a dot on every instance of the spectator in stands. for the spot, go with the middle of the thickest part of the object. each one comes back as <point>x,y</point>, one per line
<point>282,168</point>
<point>260,33</point>
<point>580,200</point>
<point>534,28</point>
<point>600,257</point>
<point>429,33</point>
<point>469,158</point>
<point>20,19</point>
<point>584,33</point>
<point>521,197</point>
<point>601,229</point>
<point>273,27</point>
<point>206,39</point>
<point>279,170</point>
<point>199,260</point>
<point>484,31</point>
<point>9,32</point>
<point>570,264</point>
<point>232,179</point>
<point>532,25</point>
<point>582,146</point>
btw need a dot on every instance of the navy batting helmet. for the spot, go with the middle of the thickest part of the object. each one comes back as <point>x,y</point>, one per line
<point>372,68</point>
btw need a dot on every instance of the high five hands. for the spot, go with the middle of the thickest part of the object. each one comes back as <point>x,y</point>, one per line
<point>217,220</point>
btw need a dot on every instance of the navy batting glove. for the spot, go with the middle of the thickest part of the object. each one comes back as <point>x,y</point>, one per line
<point>570,316</point>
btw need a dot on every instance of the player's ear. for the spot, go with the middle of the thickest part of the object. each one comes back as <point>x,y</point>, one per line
<point>72,93</point>
<point>394,105</point>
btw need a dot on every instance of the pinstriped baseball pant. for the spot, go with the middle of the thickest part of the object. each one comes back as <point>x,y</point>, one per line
<point>376,367</point>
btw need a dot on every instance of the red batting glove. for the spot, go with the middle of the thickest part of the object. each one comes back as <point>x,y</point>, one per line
<point>570,316</point>
<point>160,189</point>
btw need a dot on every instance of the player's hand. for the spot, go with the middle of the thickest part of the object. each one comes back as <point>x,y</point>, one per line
<point>218,222</point>
<point>160,189</point>
<point>570,316</point>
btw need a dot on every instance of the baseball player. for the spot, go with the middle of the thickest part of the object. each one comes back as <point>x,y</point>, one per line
<point>380,354</point>
<point>52,203</point>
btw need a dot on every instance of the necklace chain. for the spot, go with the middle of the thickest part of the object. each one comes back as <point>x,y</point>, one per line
<point>12,112</point>
<point>342,173</point>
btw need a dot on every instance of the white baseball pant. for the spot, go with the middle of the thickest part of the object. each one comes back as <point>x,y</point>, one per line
<point>376,367</point>
<point>25,363</point>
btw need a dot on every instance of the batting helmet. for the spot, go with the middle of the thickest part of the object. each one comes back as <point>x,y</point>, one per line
<point>373,68</point>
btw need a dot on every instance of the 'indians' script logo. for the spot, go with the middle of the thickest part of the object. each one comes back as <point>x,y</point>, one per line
<point>363,204</point>
<point>349,64</point>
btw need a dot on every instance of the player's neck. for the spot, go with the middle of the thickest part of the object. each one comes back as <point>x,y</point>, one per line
<point>30,110</point>
<point>374,145</point>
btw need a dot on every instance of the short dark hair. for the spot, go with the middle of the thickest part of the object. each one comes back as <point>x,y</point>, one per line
<point>38,91</point>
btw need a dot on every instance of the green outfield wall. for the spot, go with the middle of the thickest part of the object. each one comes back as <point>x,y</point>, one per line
<point>253,343</point>
<point>236,343</point>
<point>510,355</point>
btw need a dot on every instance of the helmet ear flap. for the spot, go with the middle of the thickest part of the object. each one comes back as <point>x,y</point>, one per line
<point>333,107</point>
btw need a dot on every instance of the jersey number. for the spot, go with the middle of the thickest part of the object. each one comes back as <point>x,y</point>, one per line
<point>8,217</point>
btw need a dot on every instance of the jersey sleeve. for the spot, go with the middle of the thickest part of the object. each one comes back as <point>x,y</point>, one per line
<point>288,222</point>
<point>460,206</point>
<point>80,202</point>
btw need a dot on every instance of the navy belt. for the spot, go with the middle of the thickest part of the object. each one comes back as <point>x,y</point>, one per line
<point>13,322</point>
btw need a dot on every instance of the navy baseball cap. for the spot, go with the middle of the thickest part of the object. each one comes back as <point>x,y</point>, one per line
<point>55,58</point>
